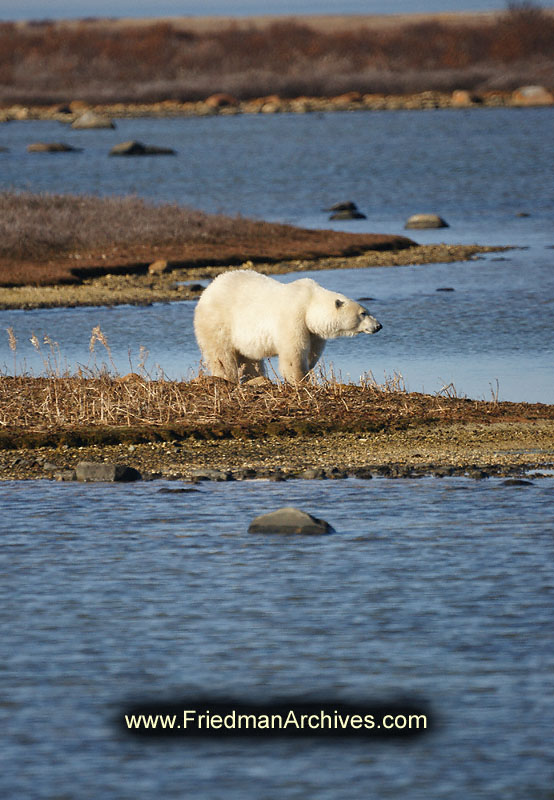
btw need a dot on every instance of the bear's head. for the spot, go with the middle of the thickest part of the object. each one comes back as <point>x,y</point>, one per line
<point>352,318</point>
<point>331,315</point>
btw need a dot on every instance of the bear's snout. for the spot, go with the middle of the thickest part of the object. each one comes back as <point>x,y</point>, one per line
<point>370,325</point>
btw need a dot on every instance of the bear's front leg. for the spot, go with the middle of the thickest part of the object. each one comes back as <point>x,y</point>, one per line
<point>293,365</point>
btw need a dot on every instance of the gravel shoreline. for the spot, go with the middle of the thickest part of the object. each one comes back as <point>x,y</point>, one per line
<point>226,105</point>
<point>477,450</point>
<point>179,283</point>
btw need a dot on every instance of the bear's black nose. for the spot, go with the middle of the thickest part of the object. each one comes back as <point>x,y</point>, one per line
<point>378,327</point>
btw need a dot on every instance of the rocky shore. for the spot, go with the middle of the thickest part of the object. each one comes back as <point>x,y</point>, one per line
<point>509,449</point>
<point>226,104</point>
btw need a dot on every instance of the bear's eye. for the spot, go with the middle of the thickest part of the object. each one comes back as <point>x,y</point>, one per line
<point>339,303</point>
<point>363,314</point>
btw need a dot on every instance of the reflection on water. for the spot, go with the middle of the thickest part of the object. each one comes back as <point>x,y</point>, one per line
<point>155,594</point>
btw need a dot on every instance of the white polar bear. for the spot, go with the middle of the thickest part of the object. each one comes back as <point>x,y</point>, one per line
<point>243,317</point>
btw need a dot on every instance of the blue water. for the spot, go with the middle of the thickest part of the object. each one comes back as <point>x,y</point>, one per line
<point>438,590</point>
<point>478,169</point>
<point>154,595</point>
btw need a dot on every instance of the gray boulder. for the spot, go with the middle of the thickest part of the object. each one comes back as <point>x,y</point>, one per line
<point>289,520</point>
<point>134,148</point>
<point>426,221</point>
<point>347,210</point>
<point>92,471</point>
<point>92,120</point>
<point>207,474</point>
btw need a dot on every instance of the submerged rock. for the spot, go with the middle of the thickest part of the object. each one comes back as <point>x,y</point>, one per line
<point>134,148</point>
<point>347,210</point>
<point>93,471</point>
<point>52,147</point>
<point>290,520</point>
<point>425,221</point>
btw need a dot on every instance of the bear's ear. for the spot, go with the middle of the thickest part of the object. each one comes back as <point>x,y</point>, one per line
<point>339,303</point>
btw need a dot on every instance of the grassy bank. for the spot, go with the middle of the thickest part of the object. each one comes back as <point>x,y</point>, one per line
<point>48,239</point>
<point>101,61</point>
<point>172,429</point>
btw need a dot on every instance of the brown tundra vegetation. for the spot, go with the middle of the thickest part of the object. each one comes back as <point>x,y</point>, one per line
<point>103,61</point>
<point>52,239</point>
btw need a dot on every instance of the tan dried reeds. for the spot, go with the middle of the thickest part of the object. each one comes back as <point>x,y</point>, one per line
<point>95,397</point>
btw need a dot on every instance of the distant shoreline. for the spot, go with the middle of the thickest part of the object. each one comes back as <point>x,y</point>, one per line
<point>294,63</point>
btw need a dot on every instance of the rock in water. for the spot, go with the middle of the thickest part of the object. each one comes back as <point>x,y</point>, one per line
<point>346,210</point>
<point>290,520</point>
<point>90,120</point>
<point>426,221</point>
<point>52,147</point>
<point>133,148</point>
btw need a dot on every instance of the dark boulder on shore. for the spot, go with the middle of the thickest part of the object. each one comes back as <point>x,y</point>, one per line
<point>134,148</point>
<point>97,472</point>
<point>290,520</point>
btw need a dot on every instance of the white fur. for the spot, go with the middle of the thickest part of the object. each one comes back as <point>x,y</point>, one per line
<point>243,317</point>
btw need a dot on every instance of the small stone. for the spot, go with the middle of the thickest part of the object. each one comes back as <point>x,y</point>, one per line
<point>65,475</point>
<point>259,380</point>
<point>289,520</point>
<point>445,289</point>
<point>159,267</point>
<point>246,474</point>
<point>334,473</point>
<point>52,147</point>
<point>134,148</point>
<point>477,474</point>
<point>92,120</point>
<point>532,96</point>
<point>363,473</point>
<point>221,100</point>
<point>346,210</point>
<point>426,221</point>
<point>92,471</point>
<point>461,97</point>
<point>276,476</point>
<point>216,475</point>
<point>314,474</point>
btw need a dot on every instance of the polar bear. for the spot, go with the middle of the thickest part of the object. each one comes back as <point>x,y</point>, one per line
<point>243,317</point>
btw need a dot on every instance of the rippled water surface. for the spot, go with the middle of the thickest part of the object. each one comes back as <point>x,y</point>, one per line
<point>479,169</point>
<point>435,589</point>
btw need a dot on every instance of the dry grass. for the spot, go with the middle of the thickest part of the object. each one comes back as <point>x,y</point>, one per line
<point>48,63</point>
<point>95,404</point>
<point>51,239</point>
